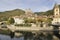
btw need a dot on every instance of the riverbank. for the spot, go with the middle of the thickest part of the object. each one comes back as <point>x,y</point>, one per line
<point>7,32</point>
<point>4,32</point>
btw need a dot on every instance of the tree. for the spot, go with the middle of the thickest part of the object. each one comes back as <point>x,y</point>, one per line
<point>49,37</point>
<point>49,20</point>
<point>11,21</point>
<point>29,20</point>
<point>4,19</point>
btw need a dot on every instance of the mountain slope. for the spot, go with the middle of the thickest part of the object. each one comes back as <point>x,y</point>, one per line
<point>12,13</point>
<point>49,12</point>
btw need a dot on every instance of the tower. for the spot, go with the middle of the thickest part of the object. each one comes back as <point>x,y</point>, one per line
<point>56,18</point>
<point>56,11</point>
<point>28,11</point>
<point>56,21</point>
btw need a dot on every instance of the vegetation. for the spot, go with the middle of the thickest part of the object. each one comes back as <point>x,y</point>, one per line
<point>47,13</point>
<point>11,21</point>
<point>30,20</point>
<point>19,12</point>
<point>4,19</point>
<point>23,25</point>
<point>5,15</point>
<point>49,20</point>
<point>6,32</point>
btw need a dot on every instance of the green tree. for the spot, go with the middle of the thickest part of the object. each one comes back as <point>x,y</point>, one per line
<point>4,19</point>
<point>49,20</point>
<point>11,21</point>
<point>49,37</point>
<point>29,20</point>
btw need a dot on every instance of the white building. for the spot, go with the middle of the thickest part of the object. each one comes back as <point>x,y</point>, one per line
<point>56,18</point>
<point>28,11</point>
<point>18,20</point>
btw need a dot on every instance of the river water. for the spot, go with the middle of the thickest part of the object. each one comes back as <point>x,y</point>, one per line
<point>6,37</point>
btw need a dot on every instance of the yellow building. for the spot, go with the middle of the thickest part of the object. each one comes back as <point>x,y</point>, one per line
<point>56,18</point>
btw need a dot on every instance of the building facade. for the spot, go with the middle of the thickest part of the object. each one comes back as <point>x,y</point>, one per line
<point>56,18</point>
<point>18,20</point>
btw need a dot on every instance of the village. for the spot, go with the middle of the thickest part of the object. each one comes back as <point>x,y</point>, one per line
<point>31,22</point>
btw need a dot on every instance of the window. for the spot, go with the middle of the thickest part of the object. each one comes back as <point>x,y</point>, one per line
<point>56,10</point>
<point>56,14</point>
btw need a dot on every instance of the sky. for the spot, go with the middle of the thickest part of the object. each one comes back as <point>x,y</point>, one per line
<point>34,5</point>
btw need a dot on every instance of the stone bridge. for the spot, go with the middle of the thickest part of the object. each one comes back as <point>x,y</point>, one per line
<point>52,28</point>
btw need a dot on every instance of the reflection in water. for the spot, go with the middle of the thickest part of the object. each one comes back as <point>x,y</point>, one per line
<point>38,37</point>
<point>43,37</point>
<point>5,37</point>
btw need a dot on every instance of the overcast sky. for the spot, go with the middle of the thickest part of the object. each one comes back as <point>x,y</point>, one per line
<point>34,5</point>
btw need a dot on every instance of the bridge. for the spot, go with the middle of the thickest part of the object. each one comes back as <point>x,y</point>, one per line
<point>37,29</point>
<point>29,29</point>
<point>34,30</point>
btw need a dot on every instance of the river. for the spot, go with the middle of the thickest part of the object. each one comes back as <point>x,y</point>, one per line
<point>6,37</point>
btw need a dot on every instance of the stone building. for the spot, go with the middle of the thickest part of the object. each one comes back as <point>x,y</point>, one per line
<point>56,18</point>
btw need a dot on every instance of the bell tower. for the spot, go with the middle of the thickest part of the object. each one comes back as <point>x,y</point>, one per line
<point>56,21</point>
<point>56,18</point>
<point>56,11</point>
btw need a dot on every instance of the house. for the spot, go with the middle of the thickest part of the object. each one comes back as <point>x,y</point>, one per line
<point>18,20</point>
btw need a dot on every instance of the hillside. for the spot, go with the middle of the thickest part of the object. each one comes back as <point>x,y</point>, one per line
<point>12,13</point>
<point>49,12</point>
<point>6,14</point>
<point>17,12</point>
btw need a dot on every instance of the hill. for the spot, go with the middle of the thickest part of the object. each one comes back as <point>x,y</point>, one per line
<point>12,13</point>
<point>17,12</point>
<point>6,14</point>
<point>49,12</point>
